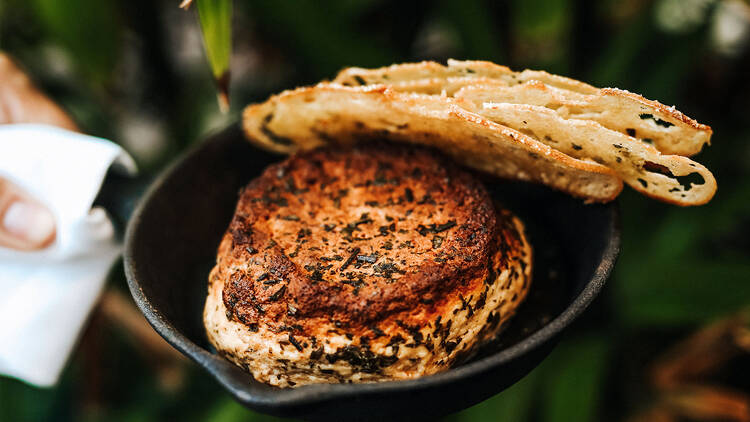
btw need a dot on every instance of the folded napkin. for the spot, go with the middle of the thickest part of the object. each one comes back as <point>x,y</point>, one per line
<point>46,296</point>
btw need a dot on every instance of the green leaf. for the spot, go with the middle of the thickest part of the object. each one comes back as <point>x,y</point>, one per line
<point>684,294</point>
<point>542,19</point>
<point>20,401</point>
<point>615,64</point>
<point>513,404</point>
<point>677,267</point>
<point>88,29</point>
<point>574,377</point>
<point>474,25</point>
<point>228,410</point>
<point>542,30</point>
<point>216,25</point>
<point>324,39</point>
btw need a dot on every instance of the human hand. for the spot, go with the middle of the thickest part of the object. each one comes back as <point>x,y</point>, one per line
<point>25,224</point>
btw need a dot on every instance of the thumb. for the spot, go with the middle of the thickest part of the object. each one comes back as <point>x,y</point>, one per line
<point>25,224</point>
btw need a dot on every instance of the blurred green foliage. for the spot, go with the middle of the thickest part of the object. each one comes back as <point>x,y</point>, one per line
<point>216,26</point>
<point>90,37</point>
<point>120,64</point>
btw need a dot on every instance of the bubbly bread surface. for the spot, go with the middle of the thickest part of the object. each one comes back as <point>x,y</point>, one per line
<point>669,178</point>
<point>361,264</point>
<point>669,130</point>
<point>330,114</point>
<point>645,142</point>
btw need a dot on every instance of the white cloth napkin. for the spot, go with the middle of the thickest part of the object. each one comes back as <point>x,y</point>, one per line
<point>46,296</point>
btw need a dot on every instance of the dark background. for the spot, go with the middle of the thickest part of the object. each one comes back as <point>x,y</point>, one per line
<point>134,72</point>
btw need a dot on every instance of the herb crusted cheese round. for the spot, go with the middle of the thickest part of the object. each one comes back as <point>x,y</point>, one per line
<point>359,264</point>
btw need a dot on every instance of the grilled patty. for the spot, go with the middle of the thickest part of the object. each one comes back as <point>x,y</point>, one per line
<point>361,264</point>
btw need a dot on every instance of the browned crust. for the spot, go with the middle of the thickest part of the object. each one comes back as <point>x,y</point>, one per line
<point>276,308</point>
<point>274,212</point>
<point>427,338</point>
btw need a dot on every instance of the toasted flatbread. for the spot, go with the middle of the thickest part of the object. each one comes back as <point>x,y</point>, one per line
<point>670,131</point>
<point>308,117</point>
<point>670,178</point>
<point>403,74</point>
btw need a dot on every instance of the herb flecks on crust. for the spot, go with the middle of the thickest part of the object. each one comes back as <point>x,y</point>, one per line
<point>397,264</point>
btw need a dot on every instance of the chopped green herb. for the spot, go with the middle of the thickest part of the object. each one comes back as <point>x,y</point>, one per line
<point>409,195</point>
<point>278,295</point>
<point>656,120</point>
<point>351,259</point>
<point>435,228</point>
<point>317,353</point>
<point>294,342</point>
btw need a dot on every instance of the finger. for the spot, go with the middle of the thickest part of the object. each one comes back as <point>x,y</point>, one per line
<point>25,224</point>
<point>22,102</point>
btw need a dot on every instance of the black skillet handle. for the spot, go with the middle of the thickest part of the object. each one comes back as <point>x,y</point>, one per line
<point>119,195</point>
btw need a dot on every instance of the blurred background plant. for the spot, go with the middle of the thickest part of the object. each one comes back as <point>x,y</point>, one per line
<point>135,71</point>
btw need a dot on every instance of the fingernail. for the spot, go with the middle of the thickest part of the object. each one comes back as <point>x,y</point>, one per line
<point>29,222</point>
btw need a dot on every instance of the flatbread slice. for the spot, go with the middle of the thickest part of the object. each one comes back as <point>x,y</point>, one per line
<point>308,117</point>
<point>670,178</point>
<point>670,131</point>
<point>403,74</point>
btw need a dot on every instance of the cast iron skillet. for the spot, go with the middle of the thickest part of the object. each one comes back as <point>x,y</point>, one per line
<point>171,244</point>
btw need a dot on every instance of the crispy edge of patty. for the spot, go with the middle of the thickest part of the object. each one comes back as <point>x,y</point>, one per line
<point>398,350</point>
